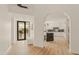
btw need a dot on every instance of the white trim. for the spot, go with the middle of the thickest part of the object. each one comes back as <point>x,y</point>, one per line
<point>7,51</point>
<point>69,19</point>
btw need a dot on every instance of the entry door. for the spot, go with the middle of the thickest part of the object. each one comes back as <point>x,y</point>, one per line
<point>21,30</point>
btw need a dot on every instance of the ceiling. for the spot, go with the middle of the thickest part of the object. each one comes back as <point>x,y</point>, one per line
<point>54,10</point>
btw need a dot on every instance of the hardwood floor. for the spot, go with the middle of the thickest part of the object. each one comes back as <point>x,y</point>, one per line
<point>57,47</point>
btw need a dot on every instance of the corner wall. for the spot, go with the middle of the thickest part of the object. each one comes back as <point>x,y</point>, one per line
<point>5,29</point>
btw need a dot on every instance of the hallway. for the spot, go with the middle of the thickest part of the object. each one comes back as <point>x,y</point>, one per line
<point>58,47</point>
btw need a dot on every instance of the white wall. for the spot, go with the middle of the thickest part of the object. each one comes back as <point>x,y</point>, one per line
<point>5,29</point>
<point>73,13</point>
<point>39,32</point>
<point>74,16</point>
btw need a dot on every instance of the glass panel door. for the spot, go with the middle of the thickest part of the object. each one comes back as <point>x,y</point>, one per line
<point>21,30</point>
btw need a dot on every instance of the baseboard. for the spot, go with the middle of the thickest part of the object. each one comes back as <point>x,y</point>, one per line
<point>38,46</point>
<point>75,53</point>
<point>7,51</point>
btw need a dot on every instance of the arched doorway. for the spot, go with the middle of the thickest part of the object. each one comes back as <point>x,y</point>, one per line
<point>57,33</point>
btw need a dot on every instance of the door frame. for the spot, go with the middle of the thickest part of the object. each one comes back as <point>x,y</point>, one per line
<point>68,19</point>
<point>69,29</point>
<point>24,30</point>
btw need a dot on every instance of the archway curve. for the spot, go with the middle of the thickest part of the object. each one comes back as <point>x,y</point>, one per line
<point>62,16</point>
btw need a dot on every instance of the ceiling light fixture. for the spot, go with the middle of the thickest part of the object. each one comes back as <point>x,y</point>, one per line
<point>20,5</point>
